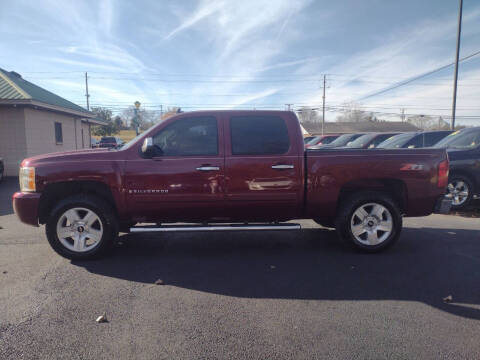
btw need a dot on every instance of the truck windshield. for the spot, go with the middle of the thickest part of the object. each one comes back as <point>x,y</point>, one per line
<point>361,141</point>
<point>396,142</point>
<point>136,138</point>
<point>344,139</point>
<point>463,139</point>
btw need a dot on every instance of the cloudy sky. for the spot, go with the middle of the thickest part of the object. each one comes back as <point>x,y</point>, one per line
<point>246,54</point>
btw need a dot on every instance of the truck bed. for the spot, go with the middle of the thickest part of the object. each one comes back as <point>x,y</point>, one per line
<point>333,173</point>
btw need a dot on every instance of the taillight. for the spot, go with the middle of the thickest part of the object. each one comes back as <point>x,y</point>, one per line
<point>442,174</point>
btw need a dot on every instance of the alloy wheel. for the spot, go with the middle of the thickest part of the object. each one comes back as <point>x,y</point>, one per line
<point>371,224</point>
<point>79,229</point>
<point>458,191</point>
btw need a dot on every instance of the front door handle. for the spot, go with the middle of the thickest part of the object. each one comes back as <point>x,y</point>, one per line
<point>208,168</point>
<point>282,167</point>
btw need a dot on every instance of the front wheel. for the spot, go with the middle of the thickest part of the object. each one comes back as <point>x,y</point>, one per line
<point>369,221</point>
<point>81,227</point>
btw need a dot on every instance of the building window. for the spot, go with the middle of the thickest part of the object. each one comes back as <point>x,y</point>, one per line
<point>58,133</point>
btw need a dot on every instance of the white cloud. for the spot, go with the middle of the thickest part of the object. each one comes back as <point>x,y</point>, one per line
<point>105,16</point>
<point>252,98</point>
<point>401,55</point>
<point>205,9</point>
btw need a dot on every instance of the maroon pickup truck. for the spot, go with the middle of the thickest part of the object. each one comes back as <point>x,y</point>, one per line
<point>227,170</point>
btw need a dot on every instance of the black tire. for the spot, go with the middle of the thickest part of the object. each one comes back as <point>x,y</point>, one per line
<point>349,206</point>
<point>456,178</point>
<point>101,208</point>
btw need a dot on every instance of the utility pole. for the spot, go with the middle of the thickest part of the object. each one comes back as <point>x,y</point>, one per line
<point>86,89</point>
<point>135,110</point>
<point>288,106</point>
<point>403,115</point>
<point>161,112</point>
<point>323,107</point>
<point>455,78</point>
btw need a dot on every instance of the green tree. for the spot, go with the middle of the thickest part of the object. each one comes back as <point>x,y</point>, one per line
<point>110,127</point>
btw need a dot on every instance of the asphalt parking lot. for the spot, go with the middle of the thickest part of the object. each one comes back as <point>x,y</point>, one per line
<point>257,295</point>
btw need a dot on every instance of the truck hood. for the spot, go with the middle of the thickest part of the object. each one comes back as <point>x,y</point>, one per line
<point>68,156</point>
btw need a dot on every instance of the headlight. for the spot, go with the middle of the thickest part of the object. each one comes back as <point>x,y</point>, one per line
<point>27,179</point>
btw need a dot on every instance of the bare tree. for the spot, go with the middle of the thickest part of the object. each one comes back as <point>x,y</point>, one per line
<point>170,112</point>
<point>424,122</point>
<point>309,115</point>
<point>352,112</point>
<point>146,118</point>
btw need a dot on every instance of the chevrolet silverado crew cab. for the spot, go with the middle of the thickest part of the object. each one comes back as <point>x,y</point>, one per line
<point>227,170</point>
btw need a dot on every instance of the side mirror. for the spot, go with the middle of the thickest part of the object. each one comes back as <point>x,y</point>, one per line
<point>148,148</point>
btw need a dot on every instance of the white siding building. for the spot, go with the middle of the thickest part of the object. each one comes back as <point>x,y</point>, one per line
<point>35,121</point>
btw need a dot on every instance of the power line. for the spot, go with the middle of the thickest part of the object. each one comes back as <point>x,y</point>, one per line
<point>417,77</point>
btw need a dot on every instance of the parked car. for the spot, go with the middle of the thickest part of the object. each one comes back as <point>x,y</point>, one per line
<point>341,141</point>
<point>414,140</point>
<point>322,140</point>
<point>110,142</point>
<point>369,141</point>
<point>2,169</point>
<point>94,143</point>
<point>236,168</point>
<point>463,149</point>
<point>306,139</point>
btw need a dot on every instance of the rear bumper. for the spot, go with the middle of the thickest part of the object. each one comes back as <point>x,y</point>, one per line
<point>25,206</point>
<point>442,206</point>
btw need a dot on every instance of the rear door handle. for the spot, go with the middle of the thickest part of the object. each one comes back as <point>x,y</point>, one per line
<point>282,167</point>
<point>208,168</point>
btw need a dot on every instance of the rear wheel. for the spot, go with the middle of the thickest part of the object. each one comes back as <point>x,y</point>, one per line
<point>460,191</point>
<point>81,227</point>
<point>369,221</point>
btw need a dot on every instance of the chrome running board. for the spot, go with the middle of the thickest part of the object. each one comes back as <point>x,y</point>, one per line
<point>222,227</point>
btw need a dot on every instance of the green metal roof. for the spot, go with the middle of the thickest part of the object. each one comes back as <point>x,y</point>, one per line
<point>14,87</point>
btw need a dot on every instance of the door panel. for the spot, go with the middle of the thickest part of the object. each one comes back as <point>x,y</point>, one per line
<point>263,178</point>
<point>181,184</point>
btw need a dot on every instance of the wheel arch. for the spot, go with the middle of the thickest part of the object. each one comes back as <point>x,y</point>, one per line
<point>55,192</point>
<point>464,173</point>
<point>395,188</point>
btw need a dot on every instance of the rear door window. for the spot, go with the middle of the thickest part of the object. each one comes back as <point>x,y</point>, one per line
<point>259,135</point>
